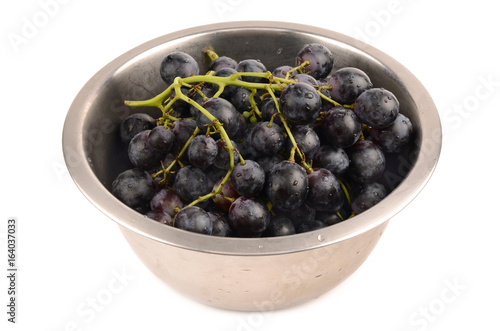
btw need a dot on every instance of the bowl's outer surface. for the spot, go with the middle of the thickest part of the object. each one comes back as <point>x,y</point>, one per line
<point>229,272</point>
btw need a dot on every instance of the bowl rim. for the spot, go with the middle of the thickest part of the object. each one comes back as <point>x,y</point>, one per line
<point>398,199</point>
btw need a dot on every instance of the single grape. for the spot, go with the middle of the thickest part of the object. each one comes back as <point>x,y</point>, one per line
<point>305,78</point>
<point>166,200</point>
<point>332,158</point>
<point>393,138</point>
<point>368,196</point>
<point>161,139</point>
<point>281,71</point>
<point>268,161</point>
<point>309,226</point>
<point>340,127</point>
<point>134,124</point>
<point>228,191</point>
<point>241,100</point>
<point>286,185</point>
<point>133,187</point>
<point>307,141</point>
<point>194,219</point>
<point>202,151</point>
<point>376,107</point>
<point>229,90</point>
<point>320,60</point>
<point>348,83</point>
<point>279,226</point>
<point>268,110</point>
<point>183,129</point>
<point>367,161</point>
<point>300,103</point>
<point>325,192</point>
<point>298,214</point>
<point>252,65</point>
<point>141,154</point>
<point>191,183</point>
<point>249,217</point>
<point>222,160</point>
<point>199,96</point>
<point>178,64</point>
<point>222,62</point>
<point>267,138</point>
<point>328,218</point>
<point>248,179</point>
<point>220,224</point>
<point>160,217</point>
<point>233,122</point>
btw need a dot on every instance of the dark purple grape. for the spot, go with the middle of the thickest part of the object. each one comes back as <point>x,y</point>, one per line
<point>160,217</point>
<point>252,65</point>
<point>194,219</point>
<point>368,196</point>
<point>309,226</point>
<point>222,160</point>
<point>245,146</point>
<point>348,83</point>
<point>191,183</point>
<point>178,64</point>
<point>281,71</point>
<point>233,122</point>
<point>279,226</point>
<point>220,224</point>
<point>161,139</point>
<point>300,103</point>
<point>229,90</point>
<point>241,100</point>
<point>249,217</point>
<point>325,192</point>
<point>328,218</point>
<point>228,191</point>
<point>183,129</point>
<point>320,60</point>
<point>268,161</point>
<point>367,161</point>
<point>307,140</point>
<point>248,179</point>
<point>222,62</point>
<point>167,201</point>
<point>268,110</point>
<point>376,107</point>
<point>141,154</point>
<point>267,138</point>
<point>305,78</point>
<point>133,187</point>
<point>333,158</point>
<point>200,97</point>
<point>299,214</point>
<point>134,124</point>
<point>340,127</point>
<point>286,185</point>
<point>202,151</point>
<point>393,138</point>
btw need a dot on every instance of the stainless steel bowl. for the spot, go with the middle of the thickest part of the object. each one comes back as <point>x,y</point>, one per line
<point>242,274</point>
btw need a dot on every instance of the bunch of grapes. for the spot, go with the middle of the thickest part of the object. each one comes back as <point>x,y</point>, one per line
<point>247,152</point>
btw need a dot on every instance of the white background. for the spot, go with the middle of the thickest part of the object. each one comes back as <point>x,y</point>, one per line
<point>435,267</point>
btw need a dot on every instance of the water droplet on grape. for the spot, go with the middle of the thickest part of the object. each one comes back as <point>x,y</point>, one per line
<point>295,182</point>
<point>309,95</point>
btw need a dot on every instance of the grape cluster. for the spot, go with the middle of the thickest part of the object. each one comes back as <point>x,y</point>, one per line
<point>247,152</point>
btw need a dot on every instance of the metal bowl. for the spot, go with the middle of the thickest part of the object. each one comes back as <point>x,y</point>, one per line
<point>253,274</point>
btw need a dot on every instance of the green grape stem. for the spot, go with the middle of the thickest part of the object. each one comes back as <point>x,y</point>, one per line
<point>193,82</point>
